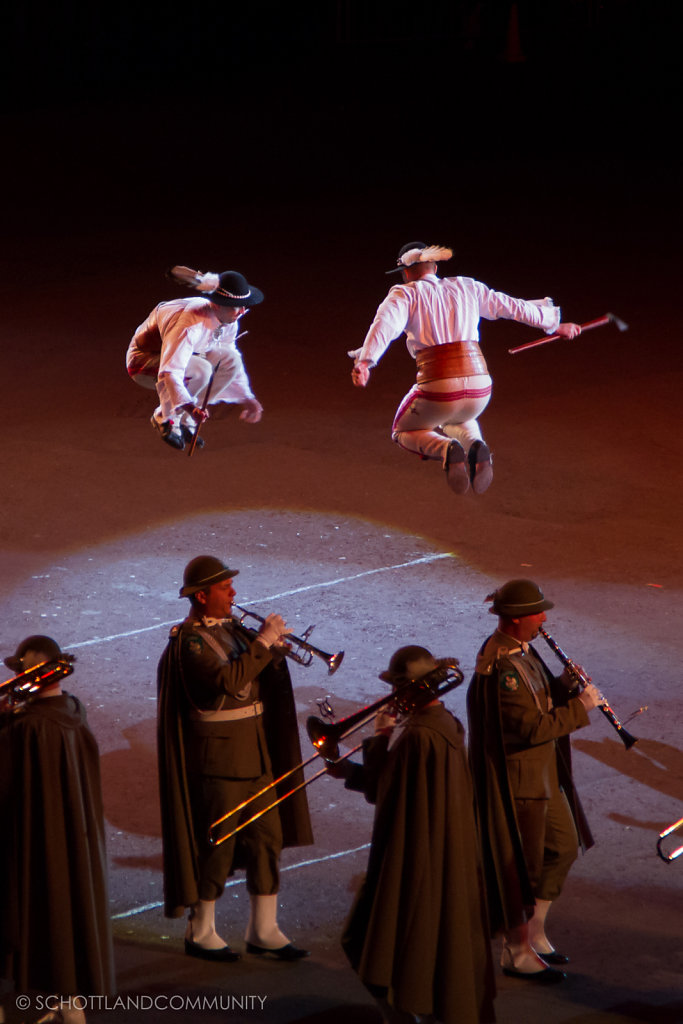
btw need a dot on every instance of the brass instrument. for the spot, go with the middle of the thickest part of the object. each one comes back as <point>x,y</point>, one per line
<point>302,651</point>
<point>25,686</point>
<point>674,854</point>
<point>582,680</point>
<point>326,736</point>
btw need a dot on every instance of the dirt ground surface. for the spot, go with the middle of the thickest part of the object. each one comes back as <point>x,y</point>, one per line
<point>331,524</point>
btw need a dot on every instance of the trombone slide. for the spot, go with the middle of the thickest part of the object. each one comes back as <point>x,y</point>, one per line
<point>673,854</point>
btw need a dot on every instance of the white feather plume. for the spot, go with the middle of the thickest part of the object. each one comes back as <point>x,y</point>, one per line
<point>432,254</point>
<point>195,279</point>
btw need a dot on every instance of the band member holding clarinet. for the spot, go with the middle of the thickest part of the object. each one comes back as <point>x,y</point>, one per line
<point>520,717</point>
<point>186,350</point>
<point>226,721</point>
<point>417,935</point>
<point>55,931</point>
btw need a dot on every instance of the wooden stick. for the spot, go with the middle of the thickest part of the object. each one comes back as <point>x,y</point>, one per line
<point>608,318</point>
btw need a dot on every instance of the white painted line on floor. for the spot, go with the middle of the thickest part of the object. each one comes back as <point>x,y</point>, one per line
<point>242,881</point>
<point>273,597</point>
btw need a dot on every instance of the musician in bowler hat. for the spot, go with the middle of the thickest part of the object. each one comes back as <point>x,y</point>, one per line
<point>520,717</point>
<point>55,929</point>
<point>417,935</point>
<point>226,727</point>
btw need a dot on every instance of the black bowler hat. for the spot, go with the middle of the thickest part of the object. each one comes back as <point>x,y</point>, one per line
<point>45,646</point>
<point>203,572</point>
<point>408,664</point>
<point>518,598</point>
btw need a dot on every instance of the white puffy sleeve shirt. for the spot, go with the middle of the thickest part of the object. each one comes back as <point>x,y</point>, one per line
<point>190,327</point>
<point>436,311</point>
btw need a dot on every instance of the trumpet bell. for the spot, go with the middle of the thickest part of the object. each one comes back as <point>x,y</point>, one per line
<point>334,661</point>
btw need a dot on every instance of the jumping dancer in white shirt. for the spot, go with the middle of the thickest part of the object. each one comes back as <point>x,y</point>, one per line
<point>185,344</point>
<point>437,419</point>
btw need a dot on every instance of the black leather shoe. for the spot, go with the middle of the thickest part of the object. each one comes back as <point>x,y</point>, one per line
<point>188,436</point>
<point>168,434</point>
<point>457,476</point>
<point>554,958</point>
<point>481,467</point>
<point>288,952</point>
<point>549,976</point>
<point>224,955</point>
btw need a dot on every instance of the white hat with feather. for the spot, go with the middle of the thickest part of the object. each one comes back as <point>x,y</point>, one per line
<point>419,252</point>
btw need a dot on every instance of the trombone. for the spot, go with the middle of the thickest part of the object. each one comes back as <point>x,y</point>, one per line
<point>673,854</point>
<point>302,652</point>
<point>22,688</point>
<point>326,736</point>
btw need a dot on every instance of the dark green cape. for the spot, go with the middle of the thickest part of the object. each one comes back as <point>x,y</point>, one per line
<point>55,931</point>
<point>418,927</point>
<point>280,723</point>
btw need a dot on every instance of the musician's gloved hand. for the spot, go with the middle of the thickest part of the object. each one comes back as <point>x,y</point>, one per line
<point>272,631</point>
<point>571,679</point>
<point>252,411</point>
<point>590,697</point>
<point>339,769</point>
<point>385,723</point>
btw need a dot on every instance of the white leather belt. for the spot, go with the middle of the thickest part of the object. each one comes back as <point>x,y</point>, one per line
<point>230,714</point>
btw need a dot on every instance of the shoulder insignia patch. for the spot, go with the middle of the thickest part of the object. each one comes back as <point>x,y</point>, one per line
<point>509,682</point>
<point>194,644</point>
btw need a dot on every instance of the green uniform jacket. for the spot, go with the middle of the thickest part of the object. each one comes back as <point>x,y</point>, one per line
<point>508,755</point>
<point>192,673</point>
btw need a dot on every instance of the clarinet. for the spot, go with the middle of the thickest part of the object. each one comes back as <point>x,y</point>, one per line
<point>582,680</point>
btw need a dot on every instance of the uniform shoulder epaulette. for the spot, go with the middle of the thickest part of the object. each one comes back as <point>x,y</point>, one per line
<point>490,657</point>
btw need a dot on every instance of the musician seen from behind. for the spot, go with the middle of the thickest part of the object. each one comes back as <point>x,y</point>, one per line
<point>520,717</point>
<point>186,346</point>
<point>55,931</point>
<point>226,724</point>
<point>417,935</point>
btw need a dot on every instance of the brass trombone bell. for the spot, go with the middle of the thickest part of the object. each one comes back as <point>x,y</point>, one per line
<point>326,736</point>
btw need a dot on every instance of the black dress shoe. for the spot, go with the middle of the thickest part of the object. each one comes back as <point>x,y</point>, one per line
<point>188,436</point>
<point>288,952</point>
<point>554,958</point>
<point>480,463</point>
<point>224,955</point>
<point>168,434</point>
<point>549,976</point>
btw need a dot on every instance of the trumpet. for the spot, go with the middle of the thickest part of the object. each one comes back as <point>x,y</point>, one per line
<point>582,680</point>
<point>668,857</point>
<point>325,737</point>
<point>301,651</point>
<point>22,688</point>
